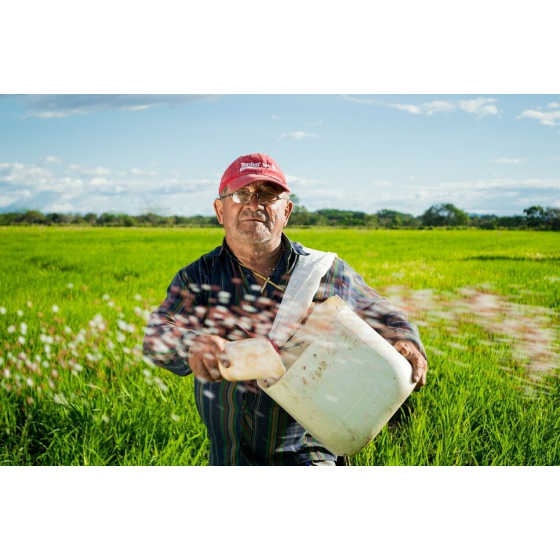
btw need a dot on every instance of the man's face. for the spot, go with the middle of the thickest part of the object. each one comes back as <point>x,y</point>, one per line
<point>254,222</point>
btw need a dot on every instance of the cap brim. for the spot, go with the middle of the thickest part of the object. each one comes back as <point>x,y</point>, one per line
<point>244,180</point>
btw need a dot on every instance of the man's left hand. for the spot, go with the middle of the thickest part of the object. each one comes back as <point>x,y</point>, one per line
<point>419,363</point>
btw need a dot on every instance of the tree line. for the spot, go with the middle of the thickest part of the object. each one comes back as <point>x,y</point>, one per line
<point>438,215</point>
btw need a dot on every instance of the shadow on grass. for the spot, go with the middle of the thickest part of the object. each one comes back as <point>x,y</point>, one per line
<point>534,258</point>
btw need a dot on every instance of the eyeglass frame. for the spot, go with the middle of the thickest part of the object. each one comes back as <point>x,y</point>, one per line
<point>273,201</point>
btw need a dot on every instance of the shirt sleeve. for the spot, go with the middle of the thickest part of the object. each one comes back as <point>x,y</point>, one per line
<point>391,323</point>
<point>169,330</point>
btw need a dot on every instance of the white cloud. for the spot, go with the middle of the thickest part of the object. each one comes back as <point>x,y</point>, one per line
<point>98,181</point>
<point>548,118</point>
<point>438,107</point>
<point>95,171</point>
<point>60,106</point>
<point>362,101</point>
<point>31,186</point>
<point>50,159</point>
<point>551,183</point>
<point>507,160</point>
<point>302,183</point>
<point>297,135</point>
<point>480,107</point>
<point>315,123</point>
<point>24,175</point>
<point>136,171</point>
<point>412,109</point>
<point>60,190</point>
<point>554,105</point>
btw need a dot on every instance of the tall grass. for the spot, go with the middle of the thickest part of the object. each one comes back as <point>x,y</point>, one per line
<point>75,389</point>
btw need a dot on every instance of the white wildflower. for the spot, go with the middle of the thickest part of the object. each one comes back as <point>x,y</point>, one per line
<point>60,399</point>
<point>23,328</point>
<point>12,329</point>
<point>2,311</point>
<point>55,308</point>
<point>19,312</point>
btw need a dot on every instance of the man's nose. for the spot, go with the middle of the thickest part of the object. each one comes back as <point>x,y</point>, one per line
<point>255,203</point>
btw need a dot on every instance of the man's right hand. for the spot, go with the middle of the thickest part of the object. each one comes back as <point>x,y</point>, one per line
<point>204,352</point>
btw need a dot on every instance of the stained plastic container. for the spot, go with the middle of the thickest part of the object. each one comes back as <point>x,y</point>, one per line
<point>343,380</point>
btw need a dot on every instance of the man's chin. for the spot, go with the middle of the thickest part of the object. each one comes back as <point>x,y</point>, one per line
<point>254,230</point>
<point>253,225</point>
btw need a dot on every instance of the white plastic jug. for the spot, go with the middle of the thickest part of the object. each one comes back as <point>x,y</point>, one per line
<point>344,381</point>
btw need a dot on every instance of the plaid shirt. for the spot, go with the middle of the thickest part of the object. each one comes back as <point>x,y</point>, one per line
<point>217,295</point>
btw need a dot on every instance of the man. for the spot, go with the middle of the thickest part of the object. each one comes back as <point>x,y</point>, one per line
<point>234,292</point>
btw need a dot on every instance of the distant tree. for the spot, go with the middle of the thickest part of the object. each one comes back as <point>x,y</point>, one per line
<point>111,219</point>
<point>9,218</point>
<point>511,221</point>
<point>91,218</point>
<point>58,218</point>
<point>300,215</point>
<point>129,221</point>
<point>151,219</point>
<point>553,217</point>
<point>444,215</point>
<point>394,219</point>
<point>535,216</point>
<point>32,217</point>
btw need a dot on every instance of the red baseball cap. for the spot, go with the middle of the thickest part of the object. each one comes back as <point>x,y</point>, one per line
<point>250,168</point>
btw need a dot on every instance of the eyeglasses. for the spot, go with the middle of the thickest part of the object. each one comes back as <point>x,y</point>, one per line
<point>246,197</point>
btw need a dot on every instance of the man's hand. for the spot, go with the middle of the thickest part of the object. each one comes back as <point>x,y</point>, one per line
<point>419,363</point>
<point>204,352</point>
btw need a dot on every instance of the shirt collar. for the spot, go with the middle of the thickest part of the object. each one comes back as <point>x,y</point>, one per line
<point>289,246</point>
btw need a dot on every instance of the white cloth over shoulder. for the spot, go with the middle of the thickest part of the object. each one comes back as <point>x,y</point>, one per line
<point>302,287</point>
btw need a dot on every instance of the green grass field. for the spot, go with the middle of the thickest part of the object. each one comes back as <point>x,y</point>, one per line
<point>75,389</point>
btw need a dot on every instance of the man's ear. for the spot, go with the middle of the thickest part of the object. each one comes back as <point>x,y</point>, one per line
<point>288,211</point>
<point>219,209</point>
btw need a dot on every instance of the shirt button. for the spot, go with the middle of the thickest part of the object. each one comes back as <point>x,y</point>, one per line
<point>248,276</point>
<point>244,444</point>
<point>244,410</point>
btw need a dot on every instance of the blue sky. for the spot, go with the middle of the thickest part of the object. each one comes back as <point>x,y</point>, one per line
<point>485,153</point>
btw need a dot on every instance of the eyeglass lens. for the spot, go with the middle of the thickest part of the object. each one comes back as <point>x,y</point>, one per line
<point>244,197</point>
